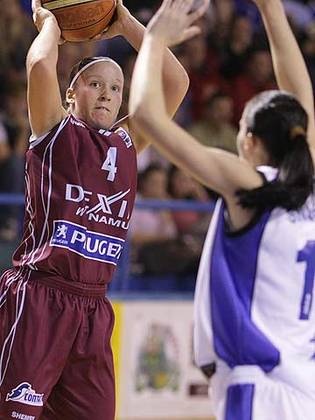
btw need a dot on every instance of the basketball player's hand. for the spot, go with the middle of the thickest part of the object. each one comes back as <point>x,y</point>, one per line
<point>173,22</point>
<point>116,27</point>
<point>40,15</point>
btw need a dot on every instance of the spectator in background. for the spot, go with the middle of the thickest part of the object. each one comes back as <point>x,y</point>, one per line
<point>8,225</point>
<point>258,76</point>
<point>215,129</point>
<point>222,14</point>
<point>17,33</point>
<point>149,226</point>
<point>204,73</point>
<point>15,118</point>
<point>191,225</point>
<point>249,9</point>
<point>162,254</point>
<point>236,51</point>
<point>11,181</point>
<point>16,129</point>
<point>153,233</point>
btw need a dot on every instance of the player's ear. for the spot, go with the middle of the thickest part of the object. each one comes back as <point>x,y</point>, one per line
<point>249,142</point>
<point>253,147</point>
<point>70,95</point>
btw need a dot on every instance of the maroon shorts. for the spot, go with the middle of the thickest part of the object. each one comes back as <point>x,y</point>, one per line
<point>55,354</point>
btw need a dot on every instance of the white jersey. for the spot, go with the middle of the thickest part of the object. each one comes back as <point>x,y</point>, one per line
<point>254,295</point>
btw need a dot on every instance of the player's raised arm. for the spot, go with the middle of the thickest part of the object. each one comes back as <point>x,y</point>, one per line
<point>43,94</point>
<point>172,24</point>
<point>288,62</point>
<point>175,78</point>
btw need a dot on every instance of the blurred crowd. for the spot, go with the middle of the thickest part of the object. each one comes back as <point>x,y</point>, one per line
<point>227,63</point>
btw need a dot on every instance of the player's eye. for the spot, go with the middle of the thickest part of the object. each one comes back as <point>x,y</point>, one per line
<point>116,88</point>
<point>95,84</point>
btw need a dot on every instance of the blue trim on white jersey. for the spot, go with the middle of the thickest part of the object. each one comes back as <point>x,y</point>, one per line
<point>239,402</point>
<point>237,340</point>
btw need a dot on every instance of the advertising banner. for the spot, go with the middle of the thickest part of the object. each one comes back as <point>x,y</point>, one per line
<point>156,377</point>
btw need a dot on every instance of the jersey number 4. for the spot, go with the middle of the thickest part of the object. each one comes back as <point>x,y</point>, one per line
<point>307,255</point>
<point>110,163</point>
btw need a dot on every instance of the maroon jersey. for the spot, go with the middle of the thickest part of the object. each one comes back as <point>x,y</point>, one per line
<point>80,192</point>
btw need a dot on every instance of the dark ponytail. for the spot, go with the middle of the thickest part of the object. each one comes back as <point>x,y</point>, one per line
<point>280,123</point>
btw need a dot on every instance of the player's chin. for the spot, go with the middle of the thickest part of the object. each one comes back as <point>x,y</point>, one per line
<point>102,122</point>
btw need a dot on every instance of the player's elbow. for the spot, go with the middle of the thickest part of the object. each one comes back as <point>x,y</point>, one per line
<point>142,116</point>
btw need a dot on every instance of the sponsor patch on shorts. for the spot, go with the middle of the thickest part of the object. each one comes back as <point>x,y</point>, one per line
<point>25,394</point>
<point>21,416</point>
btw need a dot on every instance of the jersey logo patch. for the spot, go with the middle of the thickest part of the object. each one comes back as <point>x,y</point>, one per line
<point>125,137</point>
<point>88,244</point>
<point>102,211</point>
<point>24,394</point>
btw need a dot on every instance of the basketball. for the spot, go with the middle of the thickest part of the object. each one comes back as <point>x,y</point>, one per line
<point>81,20</point>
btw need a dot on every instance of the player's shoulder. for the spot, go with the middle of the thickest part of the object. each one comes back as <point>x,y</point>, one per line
<point>123,133</point>
<point>139,142</point>
<point>35,140</point>
<point>121,128</point>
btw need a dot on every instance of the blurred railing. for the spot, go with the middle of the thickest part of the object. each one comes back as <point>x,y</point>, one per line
<point>174,205</point>
<point>156,205</point>
<point>11,199</point>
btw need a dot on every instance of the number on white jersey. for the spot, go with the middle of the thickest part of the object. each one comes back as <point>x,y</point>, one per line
<point>110,163</point>
<point>307,255</point>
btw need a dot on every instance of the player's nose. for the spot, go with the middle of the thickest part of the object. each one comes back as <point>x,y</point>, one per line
<point>105,95</point>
